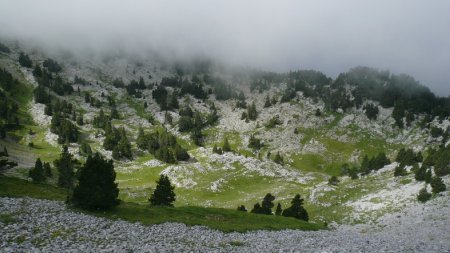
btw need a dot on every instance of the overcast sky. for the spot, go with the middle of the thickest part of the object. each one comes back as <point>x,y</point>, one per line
<point>408,36</point>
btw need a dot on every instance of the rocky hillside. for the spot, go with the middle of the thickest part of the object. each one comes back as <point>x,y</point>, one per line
<point>288,133</point>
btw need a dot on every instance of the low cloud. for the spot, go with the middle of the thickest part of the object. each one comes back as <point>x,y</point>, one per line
<point>405,36</point>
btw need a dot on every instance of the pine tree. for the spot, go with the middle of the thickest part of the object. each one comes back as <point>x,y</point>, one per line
<point>437,185</point>
<point>37,173</point>
<point>5,152</point>
<point>424,195</point>
<point>242,208</point>
<point>65,167</point>
<point>420,173</point>
<point>226,145</point>
<point>399,171</point>
<point>163,194</point>
<point>48,170</point>
<point>256,208</point>
<point>267,204</point>
<point>96,188</point>
<point>279,210</point>
<point>296,210</point>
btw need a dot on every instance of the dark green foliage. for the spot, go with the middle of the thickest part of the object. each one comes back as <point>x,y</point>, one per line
<point>65,166</point>
<point>436,132</point>
<point>242,208</point>
<point>318,112</point>
<point>160,96</point>
<point>420,173</point>
<point>101,121</point>
<point>96,188</point>
<point>118,83</point>
<point>267,204</point>
<point>37,71</point>
<point>163,194</point>
<point>333,180</point>
<point>424,195</point>
<point>408,157</point>
<point>226,145</point>
<point>67,132</point>
<point>134,88</point>
<point>274,121</point>
<point>195,89</point>
<point>254,143</point>
<point>25,61</point>
<point>371,111</point>
<point>37,174</point>
<point>440,159</point>
<point>52,65</point>
<point>279,210</point>
<point>437,185</point>
<point>85,149</point>
<point>123,147</point>
<point>217,150</point>
<point>374,163</point>
<point>47,170</point>
<point>252,114</point>
<point>256,208</point>
<point>288,95</point>
<point>163,145</point>
<point>180,153</point>
<point>399,171</point>
<point>296,209</point>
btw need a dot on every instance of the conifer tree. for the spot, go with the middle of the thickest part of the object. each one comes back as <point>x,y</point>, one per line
<point>296,209</point>
<point>424,195</point>
<point>96,188</point>
<point>420,173</point>
<point>279,210</point>
<point>37,173</point>
<point>226,145</point>
<point>242,208</point>
<point>47,170</point>
<point>267,204</point>
<point>65,167</point>
<point>163,194</point>
<point>256,208</point>
<point>437,185</point>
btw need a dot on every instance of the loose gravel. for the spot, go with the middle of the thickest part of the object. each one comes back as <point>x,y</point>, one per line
<point>48,226</point>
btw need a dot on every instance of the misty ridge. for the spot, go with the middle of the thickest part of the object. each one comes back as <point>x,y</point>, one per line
<point>403,36</point>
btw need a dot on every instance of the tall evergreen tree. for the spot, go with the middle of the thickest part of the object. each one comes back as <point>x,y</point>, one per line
<point>96,188</point>
<point>37,173</point>
<point>163,194</point>
<point>226,145</point>
<point>420,173</point>
<point>296,209</point>
<point>48,170</point>
<point>279,210</point>
<point>65,166</point>
<point>267,204</point>
<point>437,185</point>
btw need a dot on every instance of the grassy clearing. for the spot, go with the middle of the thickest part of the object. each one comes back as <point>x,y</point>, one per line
<point>216,218</point>
<point>13,187</point>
